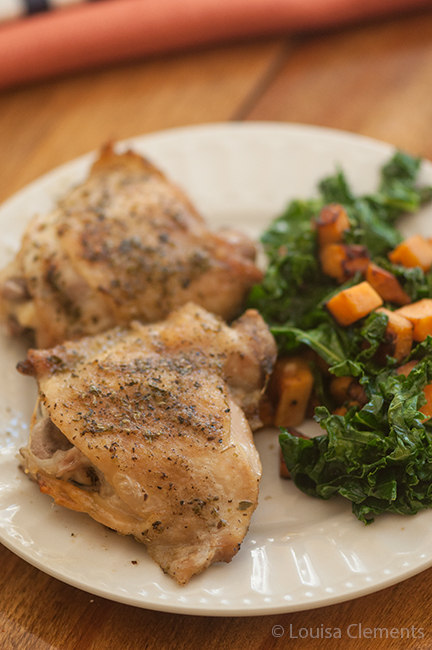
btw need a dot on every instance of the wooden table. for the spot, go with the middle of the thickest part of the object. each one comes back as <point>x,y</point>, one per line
<point>374,79</point>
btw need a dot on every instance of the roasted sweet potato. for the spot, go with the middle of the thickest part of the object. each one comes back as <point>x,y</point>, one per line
<point>339,389</point>
<point>414,251</point>
<point>406,368</point>
<point>426,409</point>
<point>399,336</point>
<point>290,389</point>
<point>343,261</point>
<point>343,410</point>
<point>420,315</point>
<point>340,410</point>
<point>347,389</point>
<point>331,224</point>
<point>386,284</point>
<point>354,303</point>
<point>357,394</point>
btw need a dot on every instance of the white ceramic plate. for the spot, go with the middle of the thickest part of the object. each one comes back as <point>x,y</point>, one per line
<point>300,552</point>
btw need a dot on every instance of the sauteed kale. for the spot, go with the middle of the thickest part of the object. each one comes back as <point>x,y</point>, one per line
<point>377,451</point>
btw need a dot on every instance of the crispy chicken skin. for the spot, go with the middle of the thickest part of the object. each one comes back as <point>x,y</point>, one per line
<point>146,430</point>
<point>125,244</point>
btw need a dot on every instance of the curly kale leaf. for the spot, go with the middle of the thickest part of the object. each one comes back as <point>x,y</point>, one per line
<point>378,457</point>
<point>294,289</point>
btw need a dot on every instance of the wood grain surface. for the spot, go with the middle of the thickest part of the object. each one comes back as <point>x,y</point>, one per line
<point>374,79</point>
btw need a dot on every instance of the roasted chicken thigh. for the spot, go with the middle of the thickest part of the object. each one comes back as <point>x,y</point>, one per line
<point>148,430</point>
<point>125,244</point>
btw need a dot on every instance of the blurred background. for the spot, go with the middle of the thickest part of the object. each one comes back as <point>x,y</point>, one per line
<point>341,68</point>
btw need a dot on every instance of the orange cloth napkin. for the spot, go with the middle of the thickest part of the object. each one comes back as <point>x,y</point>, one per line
<point>91,34</point>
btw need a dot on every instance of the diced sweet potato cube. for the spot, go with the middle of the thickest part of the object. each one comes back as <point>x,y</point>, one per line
<point>354,303</point>
<point>426,409</point>
<point>420,315</point>
<point>414,251</point>
<point>291,388</point>
<point>386,284</point>
<point>343,410</point>
<point>339,389</point>
<point>332,257</point>
<point>340,410</point>
<point>343,261</point>
<point>406,368</point>
<point>399,335</point>
<point>344,389</point>
<point>357,260</point>
<point>357,393</point>
<point>331,224</point>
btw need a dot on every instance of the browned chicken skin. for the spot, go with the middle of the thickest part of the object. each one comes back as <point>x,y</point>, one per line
<point>146,429</point>
<point>125,244</point>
